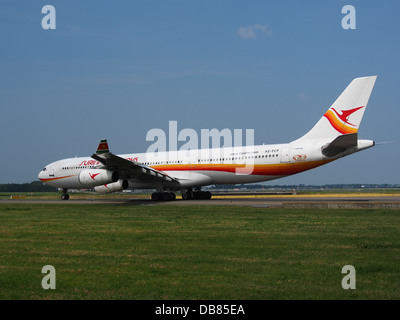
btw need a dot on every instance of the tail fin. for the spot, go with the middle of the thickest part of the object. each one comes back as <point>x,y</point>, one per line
<point>103,147</point>
<point>344,116</point>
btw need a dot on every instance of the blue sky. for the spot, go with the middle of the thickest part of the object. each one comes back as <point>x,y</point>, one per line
<point>117,69</point>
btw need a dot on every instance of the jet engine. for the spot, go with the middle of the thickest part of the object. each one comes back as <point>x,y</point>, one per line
<point>97,177</point>
<point>113,187</point>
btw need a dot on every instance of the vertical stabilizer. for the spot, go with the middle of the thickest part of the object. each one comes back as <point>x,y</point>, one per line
<point>344,116</point>
<point>103,147</point>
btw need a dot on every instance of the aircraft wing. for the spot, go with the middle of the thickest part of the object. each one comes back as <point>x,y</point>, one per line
<point>129,169</point>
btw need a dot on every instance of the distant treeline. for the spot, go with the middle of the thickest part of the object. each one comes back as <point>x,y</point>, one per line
<point>34,186</point>
<point>305,187</point>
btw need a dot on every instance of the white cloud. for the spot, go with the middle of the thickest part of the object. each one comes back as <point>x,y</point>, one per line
<point>253,30</point>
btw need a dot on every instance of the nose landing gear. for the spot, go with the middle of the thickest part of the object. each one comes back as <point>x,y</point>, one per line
<point>65,195</point>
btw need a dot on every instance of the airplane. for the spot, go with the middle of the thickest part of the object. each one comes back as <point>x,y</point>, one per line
<point>334,136</point>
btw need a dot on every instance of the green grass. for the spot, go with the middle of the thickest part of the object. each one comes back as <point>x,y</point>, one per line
<point>79,195</point>
<point>204,252</point>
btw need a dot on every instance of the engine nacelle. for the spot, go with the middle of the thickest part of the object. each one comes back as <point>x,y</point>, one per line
<point>97,177</point>
<point>113,187</point>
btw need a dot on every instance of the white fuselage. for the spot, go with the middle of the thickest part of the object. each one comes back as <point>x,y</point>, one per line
<point>335,135</point>
<point>196,168</point>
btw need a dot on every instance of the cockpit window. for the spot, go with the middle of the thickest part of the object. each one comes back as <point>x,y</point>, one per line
<point>44,169</point>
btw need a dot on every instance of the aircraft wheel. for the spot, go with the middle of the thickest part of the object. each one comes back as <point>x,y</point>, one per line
<point>171,196</point>
<point>189,195</point>
<point>165,196</point>
<point>156,196</point>
<point>64,196</point>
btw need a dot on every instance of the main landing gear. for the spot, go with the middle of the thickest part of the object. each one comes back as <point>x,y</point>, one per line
<point>163,196</point>
<point>187,194</point>
<point>196,195</point>
<point>65,195</point>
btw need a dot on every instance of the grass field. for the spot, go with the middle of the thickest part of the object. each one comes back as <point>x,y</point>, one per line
<point>190,252</point>
<point>93,195</point>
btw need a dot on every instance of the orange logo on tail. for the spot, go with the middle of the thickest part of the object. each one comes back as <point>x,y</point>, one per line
<point>340,121</point>
<point>346,114</point>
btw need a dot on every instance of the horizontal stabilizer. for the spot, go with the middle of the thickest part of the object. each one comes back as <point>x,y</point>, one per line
<point>340,144</point>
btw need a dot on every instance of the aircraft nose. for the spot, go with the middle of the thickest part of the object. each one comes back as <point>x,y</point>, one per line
<point>41,174</point>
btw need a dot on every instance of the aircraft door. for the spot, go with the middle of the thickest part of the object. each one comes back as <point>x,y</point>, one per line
<point>285,155</point>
